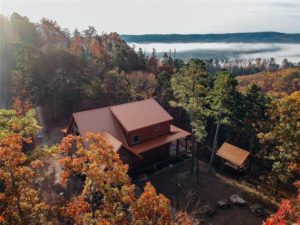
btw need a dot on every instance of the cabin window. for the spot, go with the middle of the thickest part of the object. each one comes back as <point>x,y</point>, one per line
<point>156,128</point>
<point>136,139</point>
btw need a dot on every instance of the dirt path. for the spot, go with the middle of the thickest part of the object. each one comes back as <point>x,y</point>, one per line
<point>178,184</point>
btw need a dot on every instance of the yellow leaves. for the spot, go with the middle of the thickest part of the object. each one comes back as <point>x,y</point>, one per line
<point>181,218</point>
<point>11,151</point>
<point>2,196</point>
<point>296,96</point>
<point>103,222</point>
<point>28,140</point>
<point>128,197</point>
<point>25,125</point>
<point>151,207</point>
<point>76,209</point>
<point>276,83</point>
<point>37,164</point>
<point>19,196</point>
<point>15,126</point>
<point>282,134</point>
<point>64,177</point>
<point>108,197</point>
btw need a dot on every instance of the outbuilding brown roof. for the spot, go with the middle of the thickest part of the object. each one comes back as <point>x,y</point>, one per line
<point>233,154</point>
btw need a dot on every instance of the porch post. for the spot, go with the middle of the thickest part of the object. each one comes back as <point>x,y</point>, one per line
<point>177,146</point>
<point>186,144</point>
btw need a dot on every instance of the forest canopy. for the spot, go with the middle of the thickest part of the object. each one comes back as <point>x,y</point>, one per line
<point>49,72</point>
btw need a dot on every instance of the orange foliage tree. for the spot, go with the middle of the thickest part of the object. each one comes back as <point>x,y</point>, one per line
<point>21,106</point>
<point>19,199</point>
<point>288,212</point>
<point>285,81</point>
<point>108,196</point>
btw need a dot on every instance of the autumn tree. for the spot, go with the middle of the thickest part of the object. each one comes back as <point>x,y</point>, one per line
<point>20,202</point>
<point>223,101</point>
<point>9,41</point>
<point>124,57</point>
<point>142,59</point>
<point>21,106</point>
<point>31,72</point>
<point>52,35</point>
<point>108,196</point>
<point>251,114</point>
<point>167,64</point>
<point>67,84</point>
<point>153,208</point>
<point>163,90</point>
<point>26,31</point>
<point>26,126</point>
<point>282,136</point>
<point>152,62</point>
<point>288,212</point>
<point>285,81</point>
<point>140,85</point>
<point>190,87</point>
<point>115,87</point>
<point>76,46</point>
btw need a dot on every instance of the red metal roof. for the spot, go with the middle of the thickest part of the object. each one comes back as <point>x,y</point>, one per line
<point>136,115</point>
<point>106,121</point>
<point>233,154</point>
<point>112,140</point>
<point>98,120</point>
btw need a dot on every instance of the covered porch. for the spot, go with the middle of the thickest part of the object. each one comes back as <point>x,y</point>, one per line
<point>156,152</point>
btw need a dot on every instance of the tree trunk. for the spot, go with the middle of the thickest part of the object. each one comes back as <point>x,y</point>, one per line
<point>192,163</point>
<point>214,146</point>
<point>251,142</point>
<point>197,155</point>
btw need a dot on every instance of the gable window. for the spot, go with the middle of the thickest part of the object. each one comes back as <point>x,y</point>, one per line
<point>136,139</point>
<point>156,128</point>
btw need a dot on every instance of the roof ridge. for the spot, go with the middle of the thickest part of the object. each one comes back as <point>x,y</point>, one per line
<point>235,146</point>
<point>91,110</point>
<point>111,106</point>
<point>127,103</point>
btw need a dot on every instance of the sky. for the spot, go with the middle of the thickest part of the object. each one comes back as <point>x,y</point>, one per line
<point>163,16</point>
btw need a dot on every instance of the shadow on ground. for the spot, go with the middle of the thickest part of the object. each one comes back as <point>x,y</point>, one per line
<point>196,195</point>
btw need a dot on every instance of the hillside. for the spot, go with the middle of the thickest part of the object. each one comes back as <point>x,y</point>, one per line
<point>282,81</point>
<point>255,37</point>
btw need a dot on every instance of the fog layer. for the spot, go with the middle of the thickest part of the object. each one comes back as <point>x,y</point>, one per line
<point>225,50</point>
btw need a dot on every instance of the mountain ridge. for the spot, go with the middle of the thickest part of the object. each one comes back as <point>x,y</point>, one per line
<point>251,37</point>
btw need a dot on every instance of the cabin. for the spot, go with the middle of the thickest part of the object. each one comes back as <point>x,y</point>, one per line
<point>141,132</point>
<point>234,157</point>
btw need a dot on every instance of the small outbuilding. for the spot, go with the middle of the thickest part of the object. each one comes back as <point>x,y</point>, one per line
<point>234,157</point>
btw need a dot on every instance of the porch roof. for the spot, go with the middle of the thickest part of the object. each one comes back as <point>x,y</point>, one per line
<point>175,133</point>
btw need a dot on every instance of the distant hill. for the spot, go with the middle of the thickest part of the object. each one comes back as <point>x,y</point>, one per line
<point>256,37</point>
<point>284,81</point>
